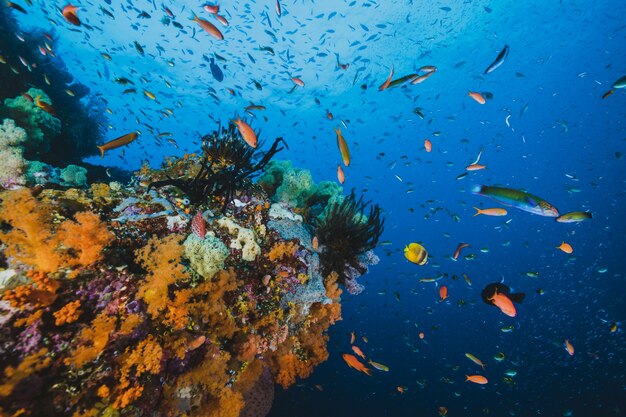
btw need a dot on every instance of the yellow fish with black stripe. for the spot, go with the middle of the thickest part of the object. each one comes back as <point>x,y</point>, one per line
<point>416,253</point>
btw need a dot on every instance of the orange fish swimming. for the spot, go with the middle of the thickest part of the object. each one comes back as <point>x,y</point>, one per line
<point>565,247</point>
<point>116,143</point>
<point>358,351</point>
<point>569,347</point>
<point>475,167</point>
<point>428,145</point>
<point>504,303</point>
<point>457,252</point>
<point>341,176</point>
<point>477,97</point>
<point>69,13</point>
<point>212,8</point>
<point>44,106</point>
<point>490,212</point>
<point>297,81</point>
<point>315,243</point>
<point>343,147</point>
<point>476,379</point>
<point>387,82</point>
<point>246,132</point>
<point>352,337</point>
<point>354,363</point>
<point>443,293</point>
<point>209,27</point>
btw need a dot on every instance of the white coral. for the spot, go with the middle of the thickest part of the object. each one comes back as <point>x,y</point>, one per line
<point>11,154</point>
<point>243,239</point>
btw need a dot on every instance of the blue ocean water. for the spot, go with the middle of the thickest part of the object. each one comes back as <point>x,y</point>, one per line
<point>546,130</point>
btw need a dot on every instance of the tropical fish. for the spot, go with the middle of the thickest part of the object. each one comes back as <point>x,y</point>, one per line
<point>429,69</point>
<point>402,80</point>
<point>378,366</point>
<point>385,85</point>
<point>343,147</point>
<point>518,199</point>
<point>216,71</point>
<point>478,98</point>
<point>499,295</point>
<point>315,243</point>
<point>341,176</point>
<point>475,167</point>
<point>457,251</point>
<point>490,212</point>
<point>358,351</point>
<point>499,60</point>
<point>443,293</point>
<point>565,247</point>
<point>69,13</point>
<point>475,360</point>
<point>212,8</point>
<point>246,132</point>
<point>574,217</point>
<point>428,145</point>
<point>620,83</point>
<point>354,363</point>
<point>416,253</point>
<point>499,357</point>
<point>569,347</point>
<point>352,338</point>
<point>208,27</point>
<point>44,106</point>
<point>476,379</point>
<point>116,143</point>
<point>278,9</point>
<point>297,81</point>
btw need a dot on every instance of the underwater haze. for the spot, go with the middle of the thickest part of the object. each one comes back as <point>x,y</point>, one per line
<point>515,107</point>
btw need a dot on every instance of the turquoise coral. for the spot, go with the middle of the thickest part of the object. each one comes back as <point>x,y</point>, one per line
<point>74,176</point>
<point>40,126</point>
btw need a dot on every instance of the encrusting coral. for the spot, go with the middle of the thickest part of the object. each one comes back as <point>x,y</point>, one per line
<point>132,300</point>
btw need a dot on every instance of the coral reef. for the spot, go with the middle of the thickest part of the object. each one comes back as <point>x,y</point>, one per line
<point>13,165</point>
<point>123,300</point>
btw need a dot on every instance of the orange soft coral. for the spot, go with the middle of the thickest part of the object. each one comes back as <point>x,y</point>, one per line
<point>31,364</point>
<point>161,258</point>
<point>34,242</point>
<point>30,241</point>
<point>282,249</point>
<point>94,339</point>
<point>41,291</point>
<point>69,313</point>
<point>87,237</point>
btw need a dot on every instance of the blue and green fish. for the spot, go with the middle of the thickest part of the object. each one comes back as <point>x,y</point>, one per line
<point>518,199</point>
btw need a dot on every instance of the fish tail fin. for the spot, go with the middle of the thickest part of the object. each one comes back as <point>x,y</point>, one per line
<point>478,211</point>
<point>101,151</point>
<point>517,297</point>
<point>368,371</point>
<point>193,16</point>
<point>467,378</point>
<point>476,189</point>
<point>337,130</point>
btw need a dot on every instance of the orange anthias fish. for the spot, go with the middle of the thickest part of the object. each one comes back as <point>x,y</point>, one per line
<point>69,13</point>
<point>315,243</point>
<point>457,252</point>
<point>565,247</point>
<point>44,106</point>
<point>116,143</point>
<point>358,351</point>
<point>341,176</point>
<point>213,9</point>
<point>443,293</point>
<point>477,97</point>
<point>352,337</point>
<point>246,132</point>
<point>354,363</point>
<point>475,167</point>
<point>504,303</point>
<point>343,147</point>
<point>428,145</point>
<point>387,82</point>
<point>209,28</point>
<point>569,347</point>
<point>297,81</point>
<point>490,212</point>
<point>476,379</point>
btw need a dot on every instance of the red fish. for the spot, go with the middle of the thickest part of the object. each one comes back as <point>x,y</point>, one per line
<point>69,13</point>
<point>209,28</point>
<point>387,82</point>
<point>443,293</point>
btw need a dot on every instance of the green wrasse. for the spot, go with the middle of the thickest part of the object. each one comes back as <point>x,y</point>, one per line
<point>518,199</point>
<point>378,366</point>
<point>574,217</point>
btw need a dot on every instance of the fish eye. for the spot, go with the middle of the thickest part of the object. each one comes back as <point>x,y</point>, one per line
<point>186,201</point>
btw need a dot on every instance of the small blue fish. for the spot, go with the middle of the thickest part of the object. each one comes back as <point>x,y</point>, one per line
<point>216,71</point>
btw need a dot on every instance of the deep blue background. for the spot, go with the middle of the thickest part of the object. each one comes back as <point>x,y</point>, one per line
<point>561,145</point>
